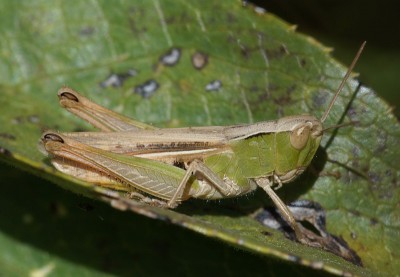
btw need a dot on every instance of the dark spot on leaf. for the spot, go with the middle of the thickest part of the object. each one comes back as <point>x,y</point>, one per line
<point>374,177</point>
<point>199,60</point>
<point>373,221</point>
<point>172,57</point>
<point>214,85</point>
<point>230,18</point>
<point>291,89</point>
<point>244,51</point>
<point>313,215</point>
<point>353,235</point>
<point>266,233</point>
<point>231,38</point>
<point>33,119</point>
<point>265,95</point>
<point>23,119</point>
<point>352,113</point>
<point>5,152</point>
<point>272,87</point>
<point>276,53</point>
<point>87,31</point>
<point>306,204</point>
<point>355,213</point>
<point>355,151</point>
<point>319,99</point>
<point>7,136</point>
<point>284,100</point>
<point>254,89</point>
<point>17,120</point>
<point>134,14</point>
<point>116,80</point>
<point>147,89</point>
<point>271,218</point>
<point>303,62</point>
<point>381,138</point>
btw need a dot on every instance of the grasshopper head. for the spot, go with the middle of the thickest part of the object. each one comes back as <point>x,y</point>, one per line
<point>298,139</point>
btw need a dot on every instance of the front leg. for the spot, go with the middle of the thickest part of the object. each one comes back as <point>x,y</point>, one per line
<point>266,184</point>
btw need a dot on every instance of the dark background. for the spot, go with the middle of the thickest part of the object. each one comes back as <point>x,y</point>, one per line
<point>344,25</point>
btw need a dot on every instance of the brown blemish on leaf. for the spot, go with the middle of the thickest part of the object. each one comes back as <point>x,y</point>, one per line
<point>284,100</point>
<point>373,221</point>
<point>230,18</point>
<point>355,213</point>
<point>5,152</point>
<point>87,31</point>
<point>136,13</point>
<point>17,120</point>
<point>266,233</point>
<point>319,99</point>
<point>7,136</point>
<point>276,53</point>
<point>23,119</point>
<point>244,51</point>
<point>335,174</point>
<point>199,60</point>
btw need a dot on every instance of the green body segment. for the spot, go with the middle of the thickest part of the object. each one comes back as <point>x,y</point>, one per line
<point>262,156</point>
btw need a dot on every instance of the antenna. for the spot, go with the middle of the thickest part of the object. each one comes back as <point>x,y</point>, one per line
<point>353,63</point>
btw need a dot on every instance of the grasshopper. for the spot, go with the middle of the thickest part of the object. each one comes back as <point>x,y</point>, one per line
<point>167,166</point>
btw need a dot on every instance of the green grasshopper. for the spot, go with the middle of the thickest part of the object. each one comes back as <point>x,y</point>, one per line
<point>167,166</point>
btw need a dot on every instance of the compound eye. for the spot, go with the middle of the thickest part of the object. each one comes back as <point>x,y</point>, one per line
<point>299,137</point>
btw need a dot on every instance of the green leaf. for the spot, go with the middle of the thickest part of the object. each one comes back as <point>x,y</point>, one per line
<point>266,70</point>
